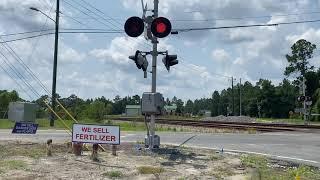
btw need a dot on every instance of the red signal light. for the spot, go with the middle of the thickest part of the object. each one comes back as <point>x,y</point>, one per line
<point>134,26</point>
<point>161,27</point>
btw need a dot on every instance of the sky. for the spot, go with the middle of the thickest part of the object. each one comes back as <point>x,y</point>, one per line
<point>95,65</point>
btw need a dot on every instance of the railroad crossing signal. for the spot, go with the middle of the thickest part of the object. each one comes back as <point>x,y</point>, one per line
<point>134,26</point>
<point>304,98</point>
<point>170,60</point>
<point>160,27</point>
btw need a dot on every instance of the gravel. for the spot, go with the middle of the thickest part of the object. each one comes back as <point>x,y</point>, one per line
<point>245,119</point>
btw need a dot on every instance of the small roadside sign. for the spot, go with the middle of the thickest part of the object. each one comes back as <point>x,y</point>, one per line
<point>25,128</point>
<point>96,134</point>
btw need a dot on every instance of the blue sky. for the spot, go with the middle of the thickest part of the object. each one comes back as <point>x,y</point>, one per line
<point>92,65</point>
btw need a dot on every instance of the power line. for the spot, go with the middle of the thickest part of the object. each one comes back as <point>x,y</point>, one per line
<point>246,17</point>
<point>35,44</point>
<point>18,59</point>
<point>62,32</point>
<point>108,20</point>
<point>245,26</point>
<point>91,32</point>
<point>74,19</point>
<point>99,21</point>
<point>18,74</point>
<point>12,77</point>
<point>113,19</point>
<point>28,37</point>
<point>27,32</point>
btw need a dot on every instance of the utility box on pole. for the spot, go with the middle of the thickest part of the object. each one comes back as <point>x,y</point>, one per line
<point>22,112</point>
<point>152,103</point>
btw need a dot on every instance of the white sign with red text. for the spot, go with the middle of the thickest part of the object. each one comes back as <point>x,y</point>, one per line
<point>96,134</point>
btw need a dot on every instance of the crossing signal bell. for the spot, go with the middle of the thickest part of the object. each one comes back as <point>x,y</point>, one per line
<point>140,60</point>
<point>170,60</point>
<point>134,26</point>
<point>161,27</point>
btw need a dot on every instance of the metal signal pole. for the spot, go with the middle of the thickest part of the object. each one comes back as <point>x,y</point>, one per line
<point>240,113</point>
<point>154,76</point>
<point>232,96</point>
<point>54,79</point>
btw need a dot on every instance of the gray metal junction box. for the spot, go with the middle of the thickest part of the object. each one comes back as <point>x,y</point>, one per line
<point>22,111</point>
<point>152,103</point>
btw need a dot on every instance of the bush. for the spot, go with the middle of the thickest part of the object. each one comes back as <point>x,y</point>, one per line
<point>113,174</point>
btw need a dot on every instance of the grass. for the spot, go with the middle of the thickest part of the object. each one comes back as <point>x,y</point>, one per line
<point>28,150</point>
<point>22,150</point>
<point>12,164</point>
<point>221,172</point>
<point>6,124</point>
<point>270,120</point>
<point>113,174</point>
<point>124,126</point>
<point>216,157</point>
<point>150,170</point>
<point>263,170</point>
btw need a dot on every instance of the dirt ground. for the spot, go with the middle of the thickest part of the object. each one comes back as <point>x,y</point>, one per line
<point>23,160</point>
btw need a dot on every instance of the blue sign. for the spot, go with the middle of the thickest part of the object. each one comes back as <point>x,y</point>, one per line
<point>25,128</point>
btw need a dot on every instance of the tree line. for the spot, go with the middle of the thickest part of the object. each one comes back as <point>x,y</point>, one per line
<point>259,99</point>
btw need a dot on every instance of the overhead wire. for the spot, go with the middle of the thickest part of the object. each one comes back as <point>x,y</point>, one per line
<point>19,60</point>
<point>23,33</point>
<point>106,23</point>
<point>43,29</point>
<point>18,74</point>
<point>246,17</point>
<point>89,5</point>
<point>110,20</point>
<point>24,38</point>
<point>14,79</point>
<point>245,26</point>
<point>25,66</point>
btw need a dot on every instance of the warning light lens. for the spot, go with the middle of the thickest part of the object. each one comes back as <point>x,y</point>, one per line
<point>161,27</point>
<point>134,26</point>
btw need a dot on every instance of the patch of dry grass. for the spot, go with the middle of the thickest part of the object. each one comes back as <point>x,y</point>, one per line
<point>150,170</point>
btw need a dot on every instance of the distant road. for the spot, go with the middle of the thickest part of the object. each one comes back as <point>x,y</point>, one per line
<point>294,146</point>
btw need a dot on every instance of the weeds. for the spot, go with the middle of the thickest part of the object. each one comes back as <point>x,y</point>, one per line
<point>150,170</point>
<point>13,164</point>
<point>113,174</point>
<point>262,171</point>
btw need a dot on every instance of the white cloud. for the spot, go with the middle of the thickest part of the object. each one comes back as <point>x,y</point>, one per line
<point>82,38</point>
<point>220,55</point>
<point>90,68</point>
<point>70,55</point>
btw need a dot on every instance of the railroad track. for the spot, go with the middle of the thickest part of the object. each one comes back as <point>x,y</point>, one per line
<point>269,127</point>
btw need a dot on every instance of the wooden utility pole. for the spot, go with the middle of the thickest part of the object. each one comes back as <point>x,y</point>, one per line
<point>55,62</point>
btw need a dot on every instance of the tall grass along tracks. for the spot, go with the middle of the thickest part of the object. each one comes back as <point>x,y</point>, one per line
<point>266,127</point>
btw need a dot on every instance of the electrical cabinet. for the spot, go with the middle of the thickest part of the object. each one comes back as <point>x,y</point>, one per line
<point>152,103</point>
<point>22,112</point>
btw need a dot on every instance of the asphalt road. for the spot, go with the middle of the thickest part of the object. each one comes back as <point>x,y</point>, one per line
<point>294,146</point>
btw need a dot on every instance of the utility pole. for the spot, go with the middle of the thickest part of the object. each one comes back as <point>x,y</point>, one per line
<point>240,106</point>
<point>55,62</point>
<point>304,101</point>
<point>232,96</point>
